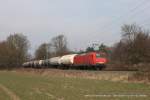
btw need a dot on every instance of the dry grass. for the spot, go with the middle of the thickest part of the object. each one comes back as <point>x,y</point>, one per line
<point>12,95</point>
<point>100,75</point>
<point>142,75</point>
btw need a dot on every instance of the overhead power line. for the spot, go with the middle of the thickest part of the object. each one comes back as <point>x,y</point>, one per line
<point>133,11</point>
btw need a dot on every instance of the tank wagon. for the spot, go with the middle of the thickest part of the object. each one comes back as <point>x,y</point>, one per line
<point>31,63</point>
<point>26,64</point>
<point>36,63</point>
<point>55,61</point>
<point>91,60</point>
<point>67,59</point>
<point>41,62</point>
<point>46,62</point>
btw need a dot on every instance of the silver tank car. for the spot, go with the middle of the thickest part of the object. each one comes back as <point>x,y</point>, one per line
<point>36,63</point>
<point>41,62</point>
<point>26,64</point>
<point>31,63</point>
<point>67,59</point>
<point>54,61</point>
<point>46,62</point>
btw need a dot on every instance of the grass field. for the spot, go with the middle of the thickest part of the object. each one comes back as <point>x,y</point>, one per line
<point>26,86</point>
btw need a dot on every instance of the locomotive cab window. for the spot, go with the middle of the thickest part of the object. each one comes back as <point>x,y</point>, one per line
<point>98,55</point>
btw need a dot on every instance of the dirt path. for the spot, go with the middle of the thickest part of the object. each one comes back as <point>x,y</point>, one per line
<point>9,93</point>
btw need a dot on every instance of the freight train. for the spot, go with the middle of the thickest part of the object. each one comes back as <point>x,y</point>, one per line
<point>92,60</point>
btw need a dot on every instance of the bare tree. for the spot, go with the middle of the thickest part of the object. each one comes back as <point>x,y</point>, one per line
<point>14,51</point>
<point>134,47</point>
<point>43,51</point>
<point>18,45</point>
<point>3,55</point>
<point>60,45</point>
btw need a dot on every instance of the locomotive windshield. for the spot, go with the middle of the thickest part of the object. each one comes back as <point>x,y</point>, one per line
<point>100,55</point>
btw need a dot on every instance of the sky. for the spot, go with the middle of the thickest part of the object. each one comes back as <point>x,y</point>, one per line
<point>83,22</point>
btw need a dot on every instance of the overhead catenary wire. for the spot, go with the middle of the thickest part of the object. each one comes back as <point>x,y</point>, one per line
<point>132,12</point>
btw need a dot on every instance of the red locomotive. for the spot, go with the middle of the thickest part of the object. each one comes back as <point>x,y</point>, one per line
<point>92,60</point>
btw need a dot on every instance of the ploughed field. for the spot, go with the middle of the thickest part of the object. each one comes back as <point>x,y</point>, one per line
<point>54,84</point>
